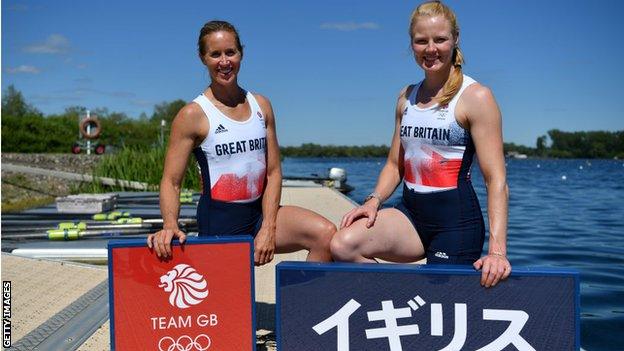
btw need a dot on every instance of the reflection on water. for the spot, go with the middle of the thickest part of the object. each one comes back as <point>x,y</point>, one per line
<point>562,213</point>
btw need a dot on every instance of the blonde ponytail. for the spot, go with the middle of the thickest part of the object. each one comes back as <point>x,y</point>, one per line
<point>454,81</point>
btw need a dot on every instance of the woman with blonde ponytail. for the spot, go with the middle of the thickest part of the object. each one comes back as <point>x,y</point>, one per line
<point>440,123</point>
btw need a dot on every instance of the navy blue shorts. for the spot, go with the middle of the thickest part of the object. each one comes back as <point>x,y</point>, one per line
<point>450,223</point>
<point>228,218</point>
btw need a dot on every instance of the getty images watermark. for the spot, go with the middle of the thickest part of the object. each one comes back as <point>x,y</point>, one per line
<point>6,313</point>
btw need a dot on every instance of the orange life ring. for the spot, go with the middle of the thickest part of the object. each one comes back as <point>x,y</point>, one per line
<point>91,123</point>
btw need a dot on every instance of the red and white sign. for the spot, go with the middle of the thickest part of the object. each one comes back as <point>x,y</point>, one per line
<point>199,300</point>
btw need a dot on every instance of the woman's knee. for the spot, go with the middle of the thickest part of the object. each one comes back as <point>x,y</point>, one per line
<point>324,233</point>
<point>344,245</point>
<point>324,228</point>
<point>329,230</point>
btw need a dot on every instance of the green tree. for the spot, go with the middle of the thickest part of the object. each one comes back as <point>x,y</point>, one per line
<point>14,104</point>
<point>75,112</point>
<point>541,145</point>
<point>592,144</point>
<point>167,111</point>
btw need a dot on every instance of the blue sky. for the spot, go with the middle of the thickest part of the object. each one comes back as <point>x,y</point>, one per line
<point>332,69</point>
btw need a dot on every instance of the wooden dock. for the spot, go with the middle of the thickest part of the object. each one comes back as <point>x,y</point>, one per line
<point>64,305</point>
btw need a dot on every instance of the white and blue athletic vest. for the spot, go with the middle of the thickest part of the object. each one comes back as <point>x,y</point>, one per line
<point>232,158</point>
<point>438,152</point>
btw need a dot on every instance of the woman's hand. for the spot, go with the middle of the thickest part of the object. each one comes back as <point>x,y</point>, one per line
<point>368,210</point>
<point>494,268</point>
<point>264,246</point>
<point>161,241</point>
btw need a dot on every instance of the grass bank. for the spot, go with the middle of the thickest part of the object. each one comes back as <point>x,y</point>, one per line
<point>140,165</point>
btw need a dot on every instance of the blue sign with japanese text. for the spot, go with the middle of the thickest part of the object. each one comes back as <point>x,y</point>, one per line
<point>411,307</point>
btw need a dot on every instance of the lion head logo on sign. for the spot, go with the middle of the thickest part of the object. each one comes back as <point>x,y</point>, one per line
<point>186,287</point>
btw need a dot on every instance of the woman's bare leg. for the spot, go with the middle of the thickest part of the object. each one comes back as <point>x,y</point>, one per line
<point>391,238</point>
<point>298,228</point>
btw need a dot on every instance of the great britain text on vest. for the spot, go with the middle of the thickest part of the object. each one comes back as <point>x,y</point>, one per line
<point>426,132</point>
<point>240,146</point>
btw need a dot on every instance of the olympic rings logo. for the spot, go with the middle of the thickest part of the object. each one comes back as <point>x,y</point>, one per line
<point>201,342</point>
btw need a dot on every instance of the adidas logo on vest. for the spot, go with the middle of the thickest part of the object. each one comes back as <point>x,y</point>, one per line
<point>220,129</point>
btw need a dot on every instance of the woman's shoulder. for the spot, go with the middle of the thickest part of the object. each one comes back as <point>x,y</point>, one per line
<point>191,122</point>
<point>405,92</point>
<point>263,102</point>
<point>190,117</point>
<point>191,110</point>
<point>476,101</point>
<point>259,97</point>
<point>476,93</point>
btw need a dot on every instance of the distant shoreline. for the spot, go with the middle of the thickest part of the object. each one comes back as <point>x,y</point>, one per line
<point>27,130</point>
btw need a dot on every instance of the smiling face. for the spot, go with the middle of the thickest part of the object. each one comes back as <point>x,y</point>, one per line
<point>222,56</point>
<point>433,43</point>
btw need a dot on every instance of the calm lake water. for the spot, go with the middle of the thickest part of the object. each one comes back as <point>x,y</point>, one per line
<point>562,213</point>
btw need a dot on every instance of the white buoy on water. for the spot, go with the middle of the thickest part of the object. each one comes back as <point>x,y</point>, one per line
<point>563,177</point>
<point>580,167</point>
